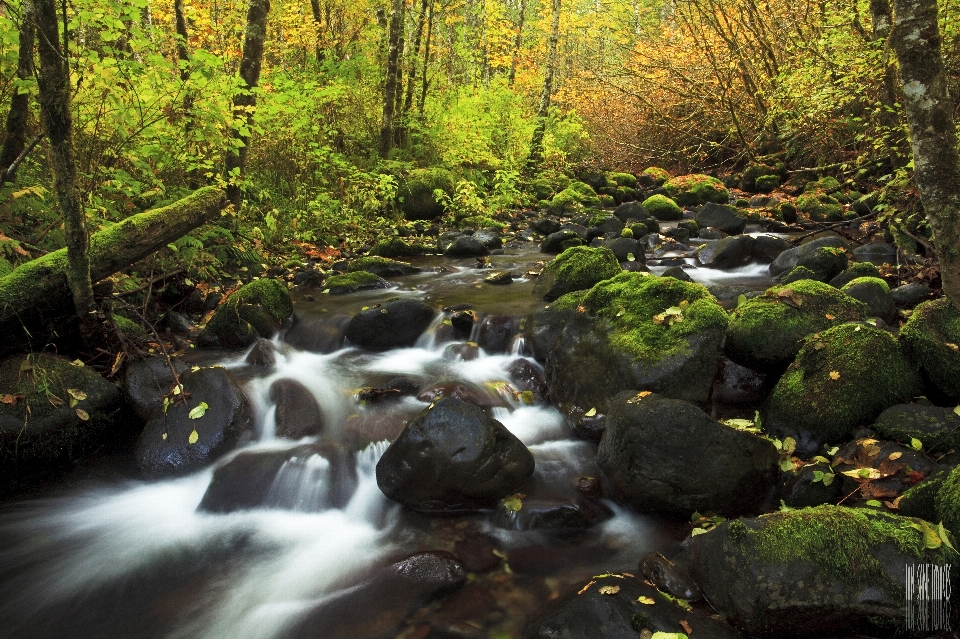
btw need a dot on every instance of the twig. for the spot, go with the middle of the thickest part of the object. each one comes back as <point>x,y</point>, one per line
<point>10,170</point>
<point>150,283</point>
<point>827,227</point>
<point>848,496</point>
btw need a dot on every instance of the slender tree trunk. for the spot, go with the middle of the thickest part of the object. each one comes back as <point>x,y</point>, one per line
<point>53,82</point>
<point>484,46</point>
<point>245,102</point>
<point>517,43</point>
<point>315,7</point>
<point>403,131</point>
<point>933,134</point>
<point>15,140</point>
<point>390,85</point>
<point>536,143</point>
<point>426,62</point>
<point>398,93</point>
<point>881,14</point>
<point>183,59</point>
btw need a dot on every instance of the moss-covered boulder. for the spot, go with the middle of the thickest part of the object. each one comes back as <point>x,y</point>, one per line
<point>920,500</point>
<point>481,222</point>
<point>652,177</point>
<point>767,183</point>
<point>6,268</point>
<point>824,571</point>
<point>637,332</point>
<point>932,339</point>
<point>662,208</point>
<point>54,412</point>
<point>382,266</point>
<point>842,378</point>
<point>798,273</point>
<point>623,179</point>
<point>395,247</point>
<point>801,255</point>
<point>416,197</point>
<point>575,269</point>
<point>694,189</point>
<point>353,282</point>
<point>947,501</point>
<point>257,310</point>
<point>820,207</point>
<point>766,332</point>
<point>855,270</point>
<point>937,428</point>
<point>755,170</point>
<point>875,293</point>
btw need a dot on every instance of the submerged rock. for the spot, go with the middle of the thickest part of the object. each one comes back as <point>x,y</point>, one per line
<point>819,571</point>
<point>392,325</point>
<point>353,282</point>
<point>453,457</point>
<point>381,266</point>
<point>651,444</point>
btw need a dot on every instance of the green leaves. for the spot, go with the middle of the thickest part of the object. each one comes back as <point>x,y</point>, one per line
<point>198,411</point>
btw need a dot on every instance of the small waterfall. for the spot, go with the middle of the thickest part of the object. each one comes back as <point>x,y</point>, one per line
<point>428,340</point>
<point>302,484</point>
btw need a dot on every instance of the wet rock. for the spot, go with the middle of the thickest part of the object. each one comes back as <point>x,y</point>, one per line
<point>382,266</point>
<point>938,428</point>
<point>825,262</point>
<point>909,295</point>
<point>807,486</point>
<point>544,327</point>
<point>677,272</point>
<point>668,577</point>
<point>624,247</point>
<point>463,322</point>
<point>178,322</point>
<point>557,242</point>
<point>307,478</point>
<point>496,333</point>
<point>353,282</point>
<point>465,351</point>
<point>527,376</point>
<point>708,233</point>
<point>679,234</point>
<point>651,443</point>
<point>392,325</point>
<point>263,354</point>
<point>463,391</point>
<point>791,258</point>
<point>842,377</point>
<point>729,295</point>
<point>499,278</point>
<point>35,435</point>
<point>552,513</point>
<point>309,278</point>
<point>476,554</point>
<point>466,246</point>
<point>146,381</point>
<point>823,571</point>
<point>766,248</point>
<point>766,332</point>
<point>490,238</point>
<point>729,252</point>
<point>875,293</point>
<point>445,239</point>
<point>601,225</point>
<point>297,412</point>
<point>317,335</point>
<point>165,446</point>
<point>723,217</point>
<point>631,210</point>
<point>586,427</point>
<point>854,271</point>
<point>737,385</point>
<point>896,475</point>
<point>397,591</point>
<point>453,457</point>
<point>877,252</point>
<point>545,226</point>
<point>589,486</point>
<point>256,310</point>
<point>931,337</point>
<point>611,609</point>
<point>575,269</point>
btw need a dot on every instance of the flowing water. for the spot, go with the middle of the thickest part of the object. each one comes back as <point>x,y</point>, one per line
<point>124,557</point>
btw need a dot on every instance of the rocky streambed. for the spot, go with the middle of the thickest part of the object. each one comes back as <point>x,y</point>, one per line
<point>649,436</point>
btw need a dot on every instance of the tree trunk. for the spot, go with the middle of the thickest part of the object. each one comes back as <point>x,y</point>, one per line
<point>517,42</point>
<point>933,134</point>
<point>53,82</point>
<point>315,8</point>
<point>414,57</point>
<point>536,143</point>
<point>38,290</point>
<point>881,14</point>
<point>390,84</point>
<point>15,140</point>
<point>245,102</point>
<point>426,62</point>
<point>398,92</point>
<point>183,60</point>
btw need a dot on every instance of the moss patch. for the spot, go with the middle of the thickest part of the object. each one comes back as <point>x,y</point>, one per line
<point>481,222</point>
<point>820,207</point>
<point>623,179</point>
<point>632,302</point>
<point>656,174</point>
<point>767,331</point>
<point>690,190</point>
<point>947,501</point>
<point>662,208</point>
<point>841,378</point>
<point>269,294</point>
<point>576,269</point>
<point>570,301</point>
<point>855,270</point>
<point>873,281</point>
<point>259,308</point>
<point>129,328</point>
<point>350,282</point>
<point>932,339</point>
<point>416,192</point>
<point>395,247</point>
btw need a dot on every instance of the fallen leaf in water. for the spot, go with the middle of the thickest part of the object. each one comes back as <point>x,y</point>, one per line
<point>590,413</point>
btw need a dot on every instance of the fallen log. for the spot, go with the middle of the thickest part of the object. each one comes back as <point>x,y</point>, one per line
<point>37,291</point>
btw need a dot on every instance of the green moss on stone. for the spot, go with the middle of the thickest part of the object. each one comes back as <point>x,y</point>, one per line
<point>694,189</point>
<point>395,247</point>
<point>575,269</point>
<point>841,541</point>
<point>607,200</point>
<point>947,501</point>
<point>767,183</point>
<point>416,192</point>
<point>662,208</point>
<point>570,301</point>
<point>623,179</point>
<point>842,377</point>
<point>920,500</point>
<point>767,331</point>
<point>875,281</point>
<point>352,281</point>
<point>797,274</point>
<point>129,327</point>
<point>5,267</point>
<point>481,222</point>
<point>43,380</point>
<point>820,207</point>
<point>932,338</point>
<point>658,175</point>
<point>825,184</point>
<point>630,302</point>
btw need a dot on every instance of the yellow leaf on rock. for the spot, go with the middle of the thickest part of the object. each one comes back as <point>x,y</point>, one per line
<point>834,375</point>
<point>82,414</point>
<point>609,590</point>
<point>590,413</point>
<point>829,316</point>
<point>895,456</point>
<point>194,436</point>
<point>646,600</point>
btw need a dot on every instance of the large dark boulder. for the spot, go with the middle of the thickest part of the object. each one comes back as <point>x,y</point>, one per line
<point>466,246</point>
<point>790,259</point>
<point>307,478</point>
<point>296,412</point>
<point>416,194</point>
<point>392,325</point>
<point>453,457</point>
<point>176,443</point>
<point>936,427</point>
<point>560,240</point>
<point>651,444</point>
<point>729,252</point>
<point>824,571</point>
<point>767,248</point>
<point>625,247</point>
<point>631,211</point>
<point>723,217</point>
<point>256,310</point>
<point>146,381</point>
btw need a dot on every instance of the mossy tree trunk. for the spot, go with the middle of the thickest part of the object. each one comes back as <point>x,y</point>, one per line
<point>402,137</point>
<point>15,140</point>
<point>245,102</point>
<point>933,134</point>
<point>394,34</point>
<point>517,42</point>
<point>318,23</point>
<point>53,82</point>
<point>183,60</point>
<point>37,290</point>
<point>881,14</point>
<point>536,142</point>
<point>424,83</point>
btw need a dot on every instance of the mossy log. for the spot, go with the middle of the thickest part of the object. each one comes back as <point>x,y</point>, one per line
<point>37,291</point>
